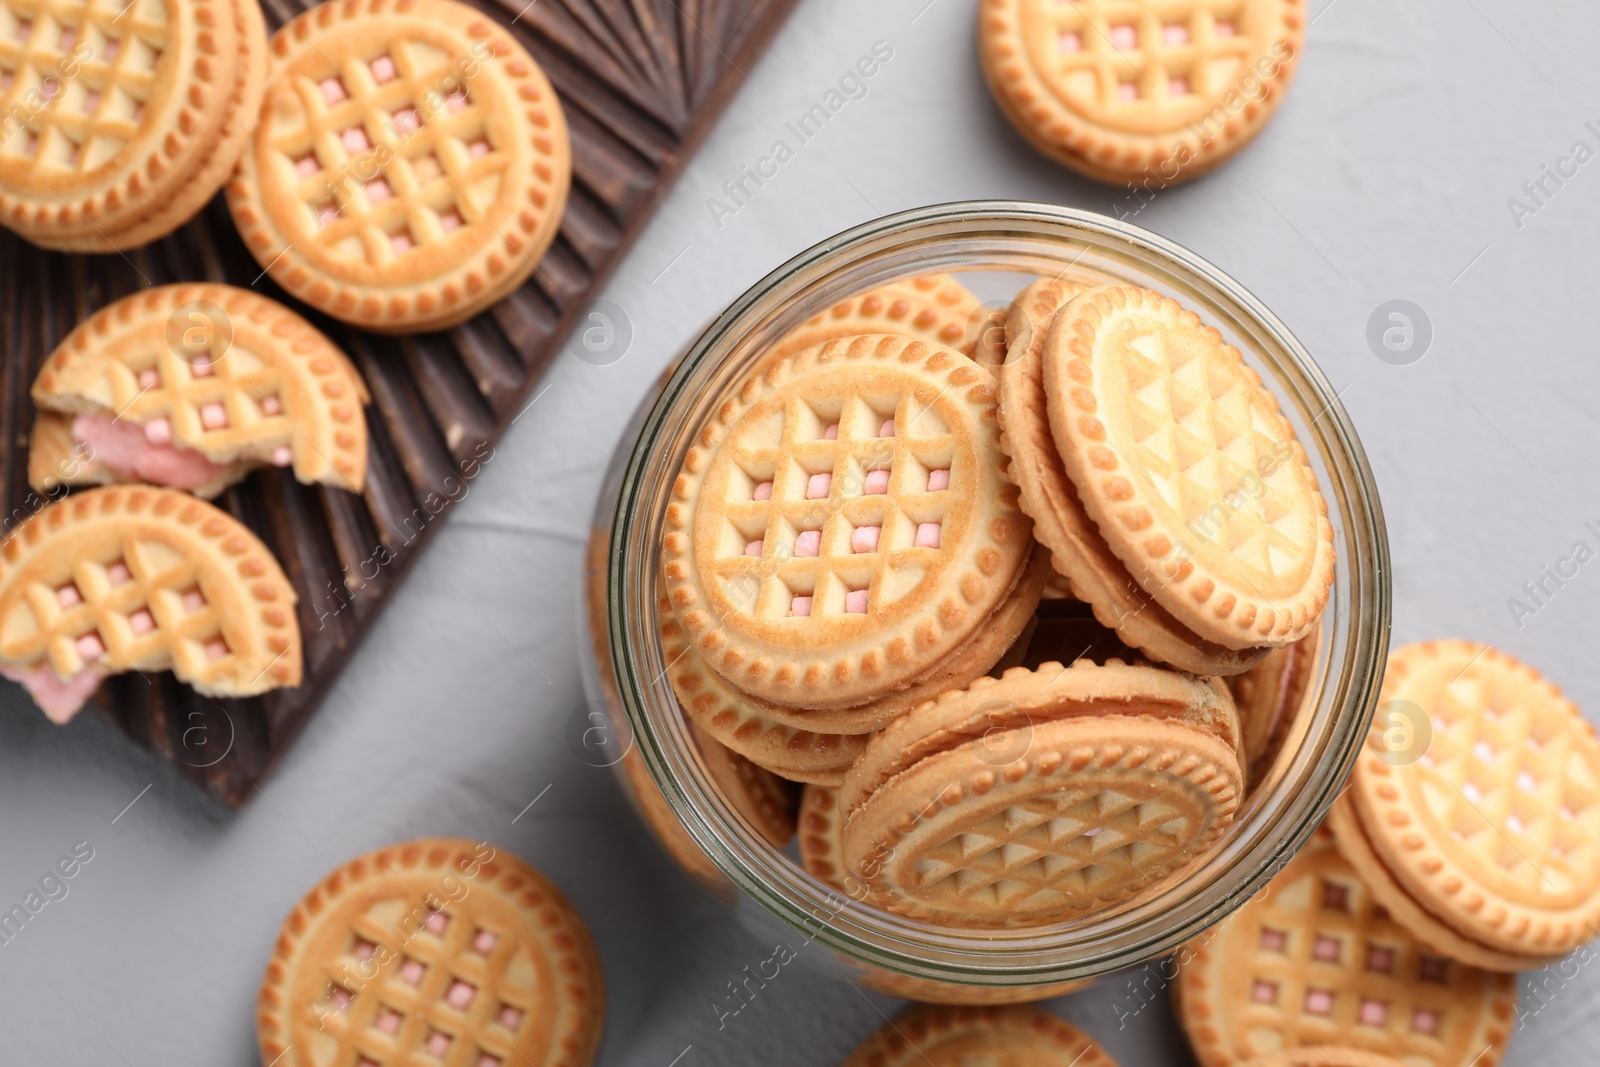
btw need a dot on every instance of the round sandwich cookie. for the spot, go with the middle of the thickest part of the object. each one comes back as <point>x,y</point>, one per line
<point>1270,696</point>
<point>761,798</point>
<point>1188,468</point>
<point>1041,795</point>
<point>435,951</point>
<point>1479,792</point>
<point>739,722</point>
<point>124,116</point>
<point>1324,1056</point>
<point>145,579</point>
<point>1078,551</point>
<point>1015,1036</point>
<point>410,166</point>
<point>843,524</point>
<point>1148,92</point>
<point>1315,962</point>
<point>193,386</point>
<point>929,307</point>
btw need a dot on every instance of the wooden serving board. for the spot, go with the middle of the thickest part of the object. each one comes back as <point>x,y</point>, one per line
<point>641,82</point>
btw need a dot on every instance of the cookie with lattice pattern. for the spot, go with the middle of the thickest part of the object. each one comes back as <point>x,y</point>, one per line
<point>433,951</point>
<point>1316,961</point>
<point>144,579</point>
<point>1191,473</point>
<point>410,167</point>
<point>112,109</point>
<point>1493,828</point>
<point>1015,1036</point>
<point>193,386</point>
<point>1078,550</point>
<point>843,522</point>
<point>1020,831</point>
<point>1151,91</point>
<point>932,307</point>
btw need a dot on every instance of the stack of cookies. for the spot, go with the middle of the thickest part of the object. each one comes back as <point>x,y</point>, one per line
<point>121,120</point>
<point>881,554</point>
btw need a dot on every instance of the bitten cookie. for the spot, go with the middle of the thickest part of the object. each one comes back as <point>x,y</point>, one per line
<point>1315,961</point>
<point>147,579</point>
<point>436,950</point>
<point>193,386</point>
<point>843,523</point>
<point>1150,92</point>
<point>410,167</point>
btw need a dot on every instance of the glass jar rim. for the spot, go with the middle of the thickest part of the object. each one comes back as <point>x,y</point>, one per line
<point>867,255</point>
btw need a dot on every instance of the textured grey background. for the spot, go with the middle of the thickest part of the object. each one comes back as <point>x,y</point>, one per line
<point>1385,176</point>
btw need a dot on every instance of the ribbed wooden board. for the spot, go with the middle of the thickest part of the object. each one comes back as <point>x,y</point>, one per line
<point>641,81</point>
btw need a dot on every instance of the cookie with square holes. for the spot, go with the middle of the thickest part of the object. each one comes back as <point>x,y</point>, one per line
<point>1490,830</point>
<point>1315,960</point>
<point>1041,795</point>
<point>1078,550</point>
<point>146,579</point>
<point>410,166</point>
<point>126,114</point>
<point>1017,1036</point>
<point>1153,92</point>
<point>1191,473</point>
<point>843,523</point>
<point>193,386</point>
<point>437,949</point>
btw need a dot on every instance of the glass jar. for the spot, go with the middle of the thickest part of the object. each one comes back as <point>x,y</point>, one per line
<point>767,888</point>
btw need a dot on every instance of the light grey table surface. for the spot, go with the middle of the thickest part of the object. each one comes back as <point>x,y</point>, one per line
<point>1386,175</point>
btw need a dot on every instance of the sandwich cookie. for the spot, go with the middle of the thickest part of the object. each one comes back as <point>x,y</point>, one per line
<point>1270,697</point>
<point>843,523</point>
<point>1041,795</point>
<point>929,307</point>
<point>1315,962</point>
<point>1190,472</point>
<point>145,579</point>
<point>193,386</point>
<point>1078,550</point>
<point>1153,92</point>
<point>410,166</point>
<point>1478,793</point>
<point>436,951</point>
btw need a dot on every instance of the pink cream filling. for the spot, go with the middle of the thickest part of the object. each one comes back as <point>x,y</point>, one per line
<point>128,449</point>
<point>59,698</point>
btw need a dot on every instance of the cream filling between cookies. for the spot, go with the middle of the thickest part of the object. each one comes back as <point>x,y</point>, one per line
<point>60,698</point>
<point>146,453</point>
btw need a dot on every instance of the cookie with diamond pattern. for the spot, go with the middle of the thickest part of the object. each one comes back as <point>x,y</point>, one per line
<point>410,167</point>
<point>1078,552</point>
<point>1015,1036</point>
<point>1008,831</point>
<point>437,951</point>
<point>843,523</point>
<point>194,386</point>
<point>1189,470</point>
<point>1150,91</point>
<point>1315,961</point>
<point>1493,828</point>
<point>145,579</point>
